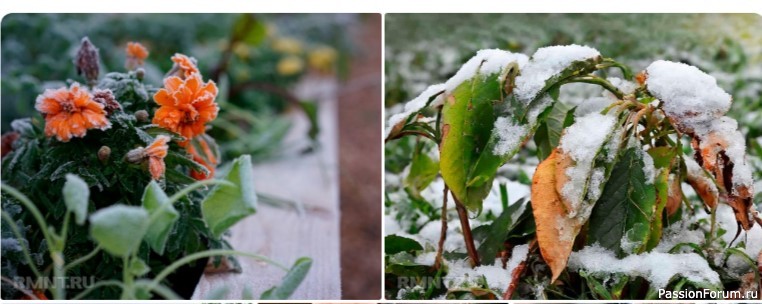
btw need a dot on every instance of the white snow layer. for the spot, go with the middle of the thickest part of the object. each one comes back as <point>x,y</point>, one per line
<point>509,135</point>
<point>690,96</point>
<point>546,63</point>
<point>416,105</point>
<point>581,141</point>
<point>498,279</point>
<point>485,62</point>
<point>656,267</point>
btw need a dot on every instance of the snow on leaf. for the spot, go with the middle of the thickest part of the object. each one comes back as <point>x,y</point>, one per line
<point>690,96</point>
<point>657,267</point>
<point>547,63</point>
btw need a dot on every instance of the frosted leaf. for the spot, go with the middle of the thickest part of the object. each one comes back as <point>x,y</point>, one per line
<point>582,141</point>
<point>690,96</point>
<point>546,63</point>
<point>727,129</point>
<point>485,62</point>
<point>649,170</point>
<point>693,169</point>
<point>509,136</point>
<point>656,267</point>
<point>415,105</point>
<point>537,109</point>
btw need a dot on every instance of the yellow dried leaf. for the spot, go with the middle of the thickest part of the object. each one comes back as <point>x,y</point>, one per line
<point>555,230</point>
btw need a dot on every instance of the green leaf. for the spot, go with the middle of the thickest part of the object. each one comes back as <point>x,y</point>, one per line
<point>549,130</point>
<point>249,29</point>
<point>163,216</point>
<point>290,282</point>
<point>625,208</point>
<point>468,116</point>
<point>76,194</point>
<point>311,110</point>
<point>661,186</point>
<point>226,204</point>
<point>119,229</point>
<point>138,267</point>
<point>662,156</point>
<point>423,170</point>
<point>394,244</point>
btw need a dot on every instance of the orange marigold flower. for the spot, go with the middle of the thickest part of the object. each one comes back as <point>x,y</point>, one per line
<point>136,55</point>
<point>70,112</point>
<point>155,152</point>
<point>186,105</point>
<point>184,65</point>
<point>207,159</point>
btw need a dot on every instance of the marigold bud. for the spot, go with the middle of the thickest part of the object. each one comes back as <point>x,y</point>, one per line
<point>141,115</point>
<point>140,73</point>
<point>87,61</point>
<point>136,156</point>
<point>106,98</point>
<point>104,153</point>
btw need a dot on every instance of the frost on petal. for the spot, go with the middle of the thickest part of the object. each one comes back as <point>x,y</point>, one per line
<point>547,63</point>
<point>485,62</point>
<point>581,142</point>
<point>656,267</point>
<point>690,96</point>
<point>509,136</point>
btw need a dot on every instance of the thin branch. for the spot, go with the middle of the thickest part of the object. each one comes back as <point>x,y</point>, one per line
<point>467,236</point>
<point>442,232</point>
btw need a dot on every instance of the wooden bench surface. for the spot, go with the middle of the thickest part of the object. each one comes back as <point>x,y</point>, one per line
<point>283,234</point>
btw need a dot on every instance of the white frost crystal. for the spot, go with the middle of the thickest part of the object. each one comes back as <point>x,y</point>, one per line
<point>656,267</point>
<point>690,96</point>
<point>546,63</point>
<point>581,142</point>
<point>509,135</point>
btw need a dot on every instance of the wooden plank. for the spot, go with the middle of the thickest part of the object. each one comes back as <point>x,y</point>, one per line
<point>282,234</point>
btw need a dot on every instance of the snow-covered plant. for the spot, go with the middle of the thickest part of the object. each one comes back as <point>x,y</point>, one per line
<point>606,198</point>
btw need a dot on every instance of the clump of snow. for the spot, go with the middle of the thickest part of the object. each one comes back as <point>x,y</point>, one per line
<point>596,182</point>
<point>518,255</point>
<point>509,135</point>
<point>690,96</point>
<point>546,63</point>
<point>485,62</point>
<point>656,267</point>
<point>416,105</point>
<point>460,274</point>
<point>582,141</point>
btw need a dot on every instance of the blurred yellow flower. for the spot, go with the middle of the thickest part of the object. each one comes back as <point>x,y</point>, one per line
<point>241,50</point>
<point>288,46</point>
<point>290,65</point>
<point>322,59</point>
